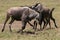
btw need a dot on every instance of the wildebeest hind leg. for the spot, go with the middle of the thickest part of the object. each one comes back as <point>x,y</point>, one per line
<point>54,22</point>
<point>10,23</point>
<point>49,24</point>
<point>7,18</point>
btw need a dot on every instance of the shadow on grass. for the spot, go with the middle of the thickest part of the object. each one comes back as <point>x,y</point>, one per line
<point>27,32</point>
<point>50,28</point>
<point>45,29</point>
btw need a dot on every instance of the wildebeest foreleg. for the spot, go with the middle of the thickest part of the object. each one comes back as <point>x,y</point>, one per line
<point>23,27</point>
<point>35,25</point>
<point>44,25</point>
<point>40,23</point>
<point>31,25</point>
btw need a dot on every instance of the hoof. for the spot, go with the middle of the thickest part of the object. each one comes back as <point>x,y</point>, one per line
<point>18,31</point>
<point>10,31</point>
<point>56,27</point>
<point>41,29</point>
<point>2,30</point>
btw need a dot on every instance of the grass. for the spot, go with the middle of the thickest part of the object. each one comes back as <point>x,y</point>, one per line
<point>44,35</point>
<point>51,34</point>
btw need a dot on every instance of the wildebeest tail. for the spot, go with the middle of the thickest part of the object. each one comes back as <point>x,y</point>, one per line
<point>51,11</point>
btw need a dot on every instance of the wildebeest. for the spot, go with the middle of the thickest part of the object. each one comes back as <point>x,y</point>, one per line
<point>24,14</point>
<point>46,14</point>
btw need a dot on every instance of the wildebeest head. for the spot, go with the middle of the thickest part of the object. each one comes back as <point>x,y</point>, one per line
<point>37,7</point>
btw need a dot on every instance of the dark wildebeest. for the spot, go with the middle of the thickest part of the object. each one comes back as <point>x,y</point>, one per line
<point>24,14</point>
<point>46,14</point>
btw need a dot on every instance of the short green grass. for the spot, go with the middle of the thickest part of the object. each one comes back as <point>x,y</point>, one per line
<point>51,34</point>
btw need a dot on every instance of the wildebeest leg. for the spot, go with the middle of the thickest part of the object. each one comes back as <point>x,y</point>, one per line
<point>7,18</point>
<point>23,26</point>
<point>49,24</point>
<point>40,23</point>
<point>54,22</point>
<point>35,25</point>
<point>47,21</point>
<point>10,23</point>
<point>31,25</point>
<point>44,25</point>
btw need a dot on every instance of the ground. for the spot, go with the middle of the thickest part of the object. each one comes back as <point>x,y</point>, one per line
<point>47,34</point>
